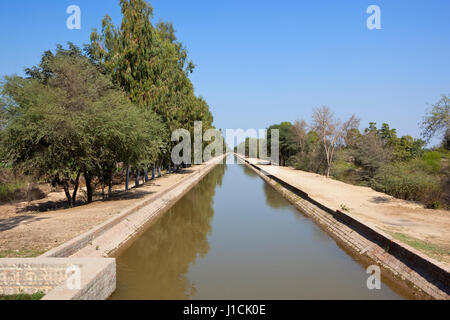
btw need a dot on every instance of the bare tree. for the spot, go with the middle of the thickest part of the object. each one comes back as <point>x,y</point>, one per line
<point>331,131</point>
<point>299,128</point>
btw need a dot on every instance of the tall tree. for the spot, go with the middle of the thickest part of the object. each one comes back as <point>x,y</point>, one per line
<point>331,131</point>
<point>437,120</point>
<point>68,119</point>
<point>287,143</point>
<point>151,66</point>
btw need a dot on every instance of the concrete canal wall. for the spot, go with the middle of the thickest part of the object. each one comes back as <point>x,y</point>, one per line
<point>59,278</point>
<point>426,277</point>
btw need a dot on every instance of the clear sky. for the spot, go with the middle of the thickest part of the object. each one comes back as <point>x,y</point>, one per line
<point>262,62</point>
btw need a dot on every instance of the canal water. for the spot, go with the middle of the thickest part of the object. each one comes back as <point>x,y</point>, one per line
<point>234,237</point>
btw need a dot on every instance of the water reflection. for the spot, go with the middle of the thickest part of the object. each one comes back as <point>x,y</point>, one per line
<point>273,199</point>
<point>248,172</point>
<point>154,267</point>
<point>240,240</point>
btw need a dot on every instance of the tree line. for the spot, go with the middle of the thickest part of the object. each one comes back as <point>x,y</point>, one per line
<point>376,157</point>
<point>112,105</point>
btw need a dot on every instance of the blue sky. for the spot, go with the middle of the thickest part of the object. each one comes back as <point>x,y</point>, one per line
<point>262,62</point>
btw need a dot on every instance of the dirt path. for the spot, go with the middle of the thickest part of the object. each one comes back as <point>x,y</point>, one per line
<point>25,231</point>
<point>426,230</point>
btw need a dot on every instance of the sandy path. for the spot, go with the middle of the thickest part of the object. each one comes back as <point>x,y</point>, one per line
<point>24,232</point>
<point>373,208</point>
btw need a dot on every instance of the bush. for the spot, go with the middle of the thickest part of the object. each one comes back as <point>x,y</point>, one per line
<point>344,171</point>
<point>406,181</point>
<point>430,162</point>
<point>10,186</point>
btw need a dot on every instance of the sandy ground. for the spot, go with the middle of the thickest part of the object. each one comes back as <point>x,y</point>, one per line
<point>27,229</point>
<point>376,209</point>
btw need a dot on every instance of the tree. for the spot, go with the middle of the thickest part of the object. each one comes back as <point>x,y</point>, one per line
<point>287,143</point>
<point>152,67</point>
<point>437,120</point>
<point>352,137</point>
<point>68,119</point>
<point>331,131</point>
<point>370,154</point>
<point>299,130</point>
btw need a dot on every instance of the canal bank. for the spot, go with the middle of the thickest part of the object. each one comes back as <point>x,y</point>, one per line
<point>426,277</point>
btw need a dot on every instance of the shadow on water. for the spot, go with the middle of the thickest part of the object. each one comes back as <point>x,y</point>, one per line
<point>154,267</point>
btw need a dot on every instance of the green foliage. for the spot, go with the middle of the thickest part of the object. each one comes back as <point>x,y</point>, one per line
<point>437,120</point>
<point>151,66</point>
<point>68,119</point>
<point>344,171</point>
<point>405,181</point>
<point>311,156</point>
<point>252,147</point>
<point>287,144</point>
<point>430,162</point>
<point>34,296</point>
<point>82,114</point>
<point>377,158</point>
<point>369,154</point>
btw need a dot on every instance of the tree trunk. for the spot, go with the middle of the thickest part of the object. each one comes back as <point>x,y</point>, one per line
<point>110,182</point>
<point>88,179</point>
<point>127,182</point>
<point>153,172</point>
<point>75,188</point>
<point>67,192</point>
<point>146,175</point>
<point>136,182</point>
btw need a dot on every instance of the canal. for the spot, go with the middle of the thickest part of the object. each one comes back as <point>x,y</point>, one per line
<point>234,237</point>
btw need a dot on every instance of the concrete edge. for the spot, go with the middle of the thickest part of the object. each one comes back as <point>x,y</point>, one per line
<point>429,269</point>
<point>98,281</point>
<point>94,278</point>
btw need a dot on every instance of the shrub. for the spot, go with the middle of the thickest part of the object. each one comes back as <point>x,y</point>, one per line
<point>344,171</point>
<point>405,181</point>
<point>10,186</point>
<point>430,162</point>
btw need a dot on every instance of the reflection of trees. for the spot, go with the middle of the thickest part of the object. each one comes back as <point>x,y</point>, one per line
<point>249,172</point>
<point>273,198</point>
<point>154,267</point>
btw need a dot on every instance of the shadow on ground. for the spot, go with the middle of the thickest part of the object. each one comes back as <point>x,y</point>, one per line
<point>11,223</point>
<point>380,200</point>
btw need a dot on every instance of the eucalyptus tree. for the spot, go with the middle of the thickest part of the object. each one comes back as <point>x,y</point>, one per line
<point>152,67</point>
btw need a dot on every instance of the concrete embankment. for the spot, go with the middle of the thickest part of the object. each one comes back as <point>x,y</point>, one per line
<point>89,253</point>
<point>426,277</point>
